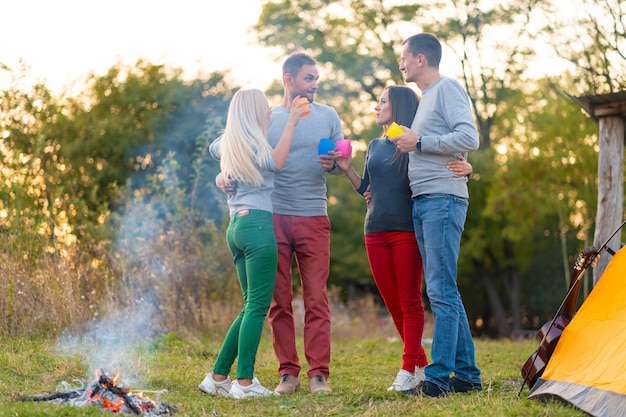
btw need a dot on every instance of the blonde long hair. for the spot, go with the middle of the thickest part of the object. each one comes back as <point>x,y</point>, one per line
<point>244,141</point>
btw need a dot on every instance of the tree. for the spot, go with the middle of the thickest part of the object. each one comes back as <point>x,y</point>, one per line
<point>593,40</point>
<point>114,186</point>
<point>128,120</point>
<point>355,43</point>
<point>35,205</point>
<point>492,43</point>
<point>533,196</point>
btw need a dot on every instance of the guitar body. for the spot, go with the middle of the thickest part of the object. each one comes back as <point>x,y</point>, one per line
<point>548,335</point>
<point>551,331</point>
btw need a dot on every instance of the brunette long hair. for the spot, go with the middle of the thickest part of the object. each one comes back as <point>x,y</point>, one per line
<point>404,104</point>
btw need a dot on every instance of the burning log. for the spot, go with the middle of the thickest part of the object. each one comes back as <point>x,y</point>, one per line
<point>49,397</point>
<point>110,385</point>
<point>105,392</point>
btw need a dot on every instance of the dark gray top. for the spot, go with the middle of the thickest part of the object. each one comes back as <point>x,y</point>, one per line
<point>391,206</point>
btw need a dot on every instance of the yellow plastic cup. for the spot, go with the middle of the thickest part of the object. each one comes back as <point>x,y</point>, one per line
<point>394,130</point>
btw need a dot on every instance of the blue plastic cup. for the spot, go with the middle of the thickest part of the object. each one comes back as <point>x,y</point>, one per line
<point>326,145</point>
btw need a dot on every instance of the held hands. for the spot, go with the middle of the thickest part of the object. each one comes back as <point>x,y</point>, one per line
<point>228,186</point>
<point>407,141</point>
<point>460,167</point>
<point>367,195</point>
<point>327,161</point>
<point>344,162</point>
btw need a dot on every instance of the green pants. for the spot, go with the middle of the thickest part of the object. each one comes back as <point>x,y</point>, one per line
<point>252,243</point>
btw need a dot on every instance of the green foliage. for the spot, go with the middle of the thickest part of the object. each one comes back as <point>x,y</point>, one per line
<point>168,249</point>
<point>56,268</point>
<point>357,37</point>
<point>355,43</point>
<point>130,119</point>
<point>504,29</point>
<point>346,210</point>
<point>533,190</point>
<point>44,269</point>
<point>111,191</point>
<point>37,211</point>
<point>532,200</point>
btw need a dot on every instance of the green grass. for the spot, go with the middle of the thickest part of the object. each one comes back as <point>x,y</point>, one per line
<point>361,371</point>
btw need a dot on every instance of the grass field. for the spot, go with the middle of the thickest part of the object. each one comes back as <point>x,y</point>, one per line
<point>362,369</point>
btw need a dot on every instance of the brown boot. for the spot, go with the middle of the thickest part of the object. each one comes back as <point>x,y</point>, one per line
<point>289,384</point>
<point>318,384</point>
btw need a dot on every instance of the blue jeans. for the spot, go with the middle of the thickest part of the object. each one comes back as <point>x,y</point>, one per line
<point>439,220</point>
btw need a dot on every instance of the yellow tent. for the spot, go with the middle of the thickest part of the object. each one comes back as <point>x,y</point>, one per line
<point>588,365</point>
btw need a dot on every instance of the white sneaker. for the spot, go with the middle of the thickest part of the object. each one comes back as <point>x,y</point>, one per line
<point>239,391</point>
<point>212,387</point>
<point>420,375</point>
<point>404,381</point>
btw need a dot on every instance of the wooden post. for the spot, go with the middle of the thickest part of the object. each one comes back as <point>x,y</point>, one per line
<point>610,188</point>
<point>609,110</point>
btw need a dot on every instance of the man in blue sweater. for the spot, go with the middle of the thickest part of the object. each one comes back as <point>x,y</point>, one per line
<point>443,128</point>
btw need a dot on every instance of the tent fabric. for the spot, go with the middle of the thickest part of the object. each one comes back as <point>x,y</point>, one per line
<point>595,402</point>
<point>588,366</point>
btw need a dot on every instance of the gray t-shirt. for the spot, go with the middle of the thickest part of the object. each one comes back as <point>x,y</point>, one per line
<point>300,187</point>
<point>446,128</point>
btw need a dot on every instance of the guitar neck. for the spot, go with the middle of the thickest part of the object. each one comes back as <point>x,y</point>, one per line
<point>569,306</point>
<point>583,261</point>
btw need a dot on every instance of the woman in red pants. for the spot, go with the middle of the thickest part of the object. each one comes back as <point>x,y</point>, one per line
<point>390,242</point>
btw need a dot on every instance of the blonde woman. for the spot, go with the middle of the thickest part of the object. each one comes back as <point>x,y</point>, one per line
<point>246,157</point>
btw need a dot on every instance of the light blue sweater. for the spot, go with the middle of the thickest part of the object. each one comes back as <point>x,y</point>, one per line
<point>251,197</point>
<point>446,128</point>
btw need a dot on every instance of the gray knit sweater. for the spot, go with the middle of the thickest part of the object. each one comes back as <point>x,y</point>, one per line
<point>446,128</point>
<point>257,197</point>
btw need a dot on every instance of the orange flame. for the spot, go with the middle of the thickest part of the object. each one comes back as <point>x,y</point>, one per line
<point>145,404</point>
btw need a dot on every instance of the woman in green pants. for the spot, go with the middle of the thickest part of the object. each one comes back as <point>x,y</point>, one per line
<point>246,157</point>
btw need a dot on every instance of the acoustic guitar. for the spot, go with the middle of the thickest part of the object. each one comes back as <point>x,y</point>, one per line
<point>551,331</point>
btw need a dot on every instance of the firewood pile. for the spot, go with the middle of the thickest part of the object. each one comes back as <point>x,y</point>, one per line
<point>104,392</point>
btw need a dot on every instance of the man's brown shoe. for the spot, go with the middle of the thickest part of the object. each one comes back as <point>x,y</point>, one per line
<point>318,384</point>
<point>289,384</point>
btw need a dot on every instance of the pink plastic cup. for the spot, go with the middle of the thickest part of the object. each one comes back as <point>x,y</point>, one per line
<point>344,147</point>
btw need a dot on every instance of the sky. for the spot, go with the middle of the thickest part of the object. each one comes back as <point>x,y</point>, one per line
<point>64,40</point>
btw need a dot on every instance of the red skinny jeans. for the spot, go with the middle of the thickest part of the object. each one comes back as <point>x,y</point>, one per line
<point>396,265</point>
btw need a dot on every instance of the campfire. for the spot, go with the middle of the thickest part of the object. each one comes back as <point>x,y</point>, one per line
<point>104,392</point>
